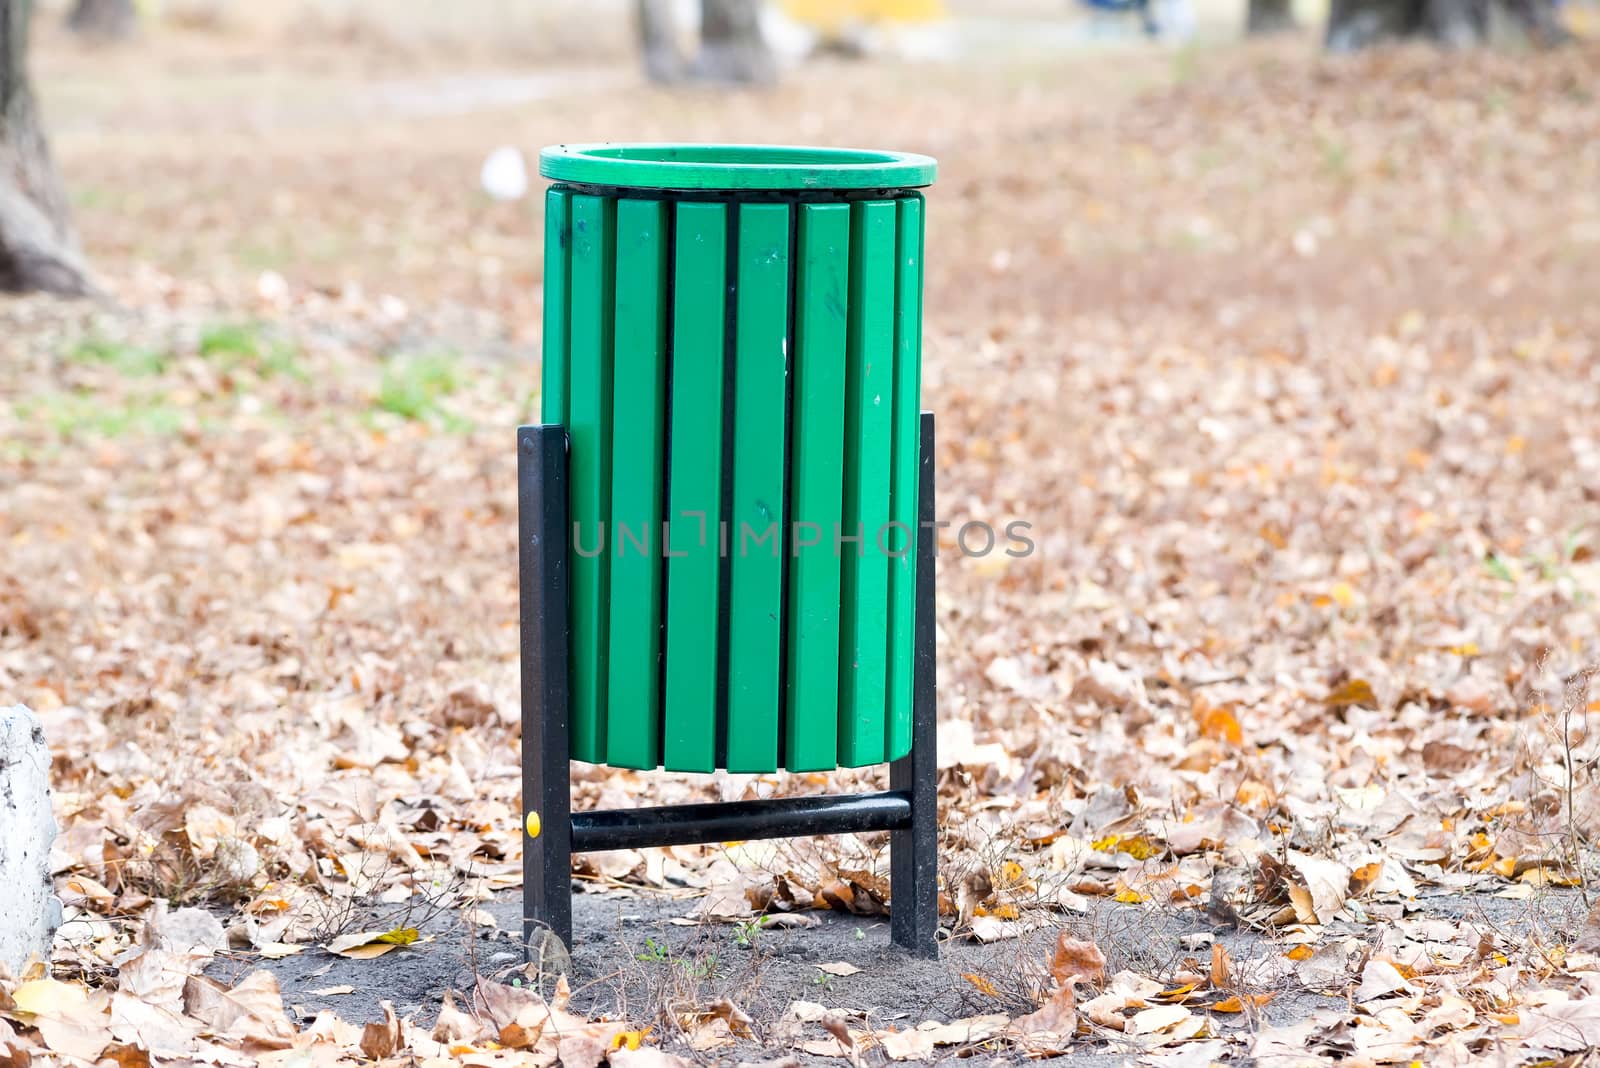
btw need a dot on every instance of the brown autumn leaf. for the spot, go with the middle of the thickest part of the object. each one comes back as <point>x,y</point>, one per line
<point>739,1022</point>
<point>582,1050</point>
<point>1221,974</point>
<point>1075,961</point>
<point>1058,1016</point>
<point>382,1038</point>
<point>126,1056</point>
<point>250,1011</point>
<point>911,1045</point>
<point>1362,878</point>
<point>836,1026</point>
<point>1351,692</point>
<point>153,1027</point>
<point>500,1006</point>
<point>525,1033</point>
<point>1588,940</point>
<point>1237,1002</point>
<point>453,1025</point>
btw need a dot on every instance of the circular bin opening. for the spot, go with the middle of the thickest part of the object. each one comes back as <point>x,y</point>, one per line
<point>734,167</point>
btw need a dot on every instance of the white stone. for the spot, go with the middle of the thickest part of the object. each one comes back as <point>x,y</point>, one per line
<point>505,174</point>
<point>29,910</point>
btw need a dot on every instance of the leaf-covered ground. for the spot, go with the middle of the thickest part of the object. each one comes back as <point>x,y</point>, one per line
<point>1291,363</point>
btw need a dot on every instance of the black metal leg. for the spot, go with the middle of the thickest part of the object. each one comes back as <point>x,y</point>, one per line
<point>546,774</point>
<point>914,851</point>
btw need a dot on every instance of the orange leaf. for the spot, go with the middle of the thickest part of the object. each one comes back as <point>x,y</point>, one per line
<point>1221,967</point>
<point>1353,692</point>
<point>1011,876</point>
<point>1218,723</point>
<point>1238,1002</point>
<point>1177,994</point>
<point>1075,961</point>
<point>1363,878</point>
<point>630,1039</point>
<point>983,985</point>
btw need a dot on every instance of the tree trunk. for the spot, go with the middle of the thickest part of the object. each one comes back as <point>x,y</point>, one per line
<point>658,42</point>
<point>732,49</point>
<point>1539,21</point>
<point>1354,24</point>
<point>37,247</point>
<point>103,20</point>
<point>1456,23</point>
<point>1269,16</point>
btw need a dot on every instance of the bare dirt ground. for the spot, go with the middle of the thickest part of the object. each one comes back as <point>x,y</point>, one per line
<point>1290,362</point>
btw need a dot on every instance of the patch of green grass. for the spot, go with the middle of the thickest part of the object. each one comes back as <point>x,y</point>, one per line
<point>87,196</point>
<point>226,340</point>
<point>1185,64</point>
<point>235,345</point>
<point>1208,158</point>
<point>1499,567</point>
<point>93,414</point>
<point>1335,156</point>
<point>746,932</point>
<point>414,387</point>
<point>133,361</point>
<point>264,256</point>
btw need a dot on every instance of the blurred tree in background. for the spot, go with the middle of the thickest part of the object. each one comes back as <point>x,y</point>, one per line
<point>103,20</point>
<point>38,249</point>
<point>1354,24</point>
<point>732,49</point>
<point>1269,16</point>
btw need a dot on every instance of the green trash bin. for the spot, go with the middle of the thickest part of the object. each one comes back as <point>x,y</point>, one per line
<point>732,339</point>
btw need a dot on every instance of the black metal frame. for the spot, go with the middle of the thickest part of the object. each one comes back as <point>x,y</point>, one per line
<point>553,832</point>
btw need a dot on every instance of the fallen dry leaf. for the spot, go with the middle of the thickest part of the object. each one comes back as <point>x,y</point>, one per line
<point>369,944</point>
<point>838,968</point>
<point>454,1026</point>
<point>579,1051</point>
<point>382,1038</point>
<point>1075,961</point>
<point>251,1010</point>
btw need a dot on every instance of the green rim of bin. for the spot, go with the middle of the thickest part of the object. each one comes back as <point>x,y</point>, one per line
<point>735,167</point>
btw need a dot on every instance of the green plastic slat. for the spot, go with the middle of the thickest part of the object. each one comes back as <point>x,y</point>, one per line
<point>817,493</point>
<point>589,426</point>
<point>638,441</point>
<point>869,406</point>
<point>689,705</point>
<point>755,528</point>
<point>553,347</point>
<point>903,476</point>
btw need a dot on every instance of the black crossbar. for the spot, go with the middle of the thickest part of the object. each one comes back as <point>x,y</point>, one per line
<point>779,817</point>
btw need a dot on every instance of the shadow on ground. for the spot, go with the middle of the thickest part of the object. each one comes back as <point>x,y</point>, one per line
<point>644,960</point>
